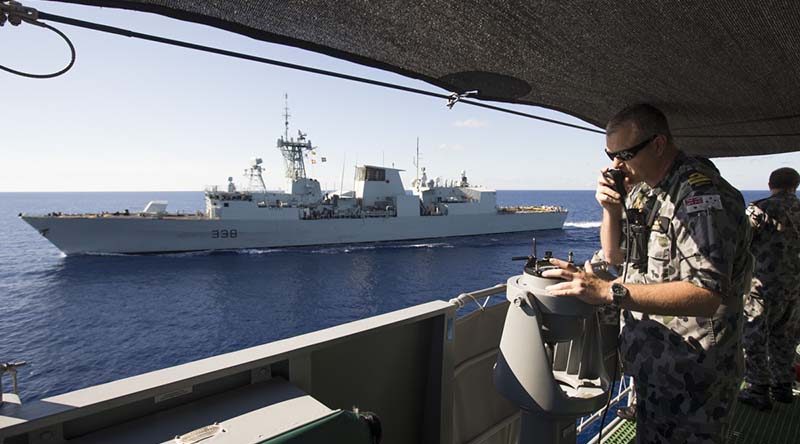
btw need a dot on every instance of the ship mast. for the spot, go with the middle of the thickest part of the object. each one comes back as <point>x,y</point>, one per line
<point>292,149</point>
<point>416,160</point>
<point>416,164</point>
<point>286,116</point>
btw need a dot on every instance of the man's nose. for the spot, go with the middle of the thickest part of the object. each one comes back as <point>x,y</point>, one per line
<point>617,163</point>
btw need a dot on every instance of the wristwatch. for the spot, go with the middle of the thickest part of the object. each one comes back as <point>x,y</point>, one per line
<point>619,294</point>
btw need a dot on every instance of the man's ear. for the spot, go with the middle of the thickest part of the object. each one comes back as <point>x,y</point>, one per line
<point>661,144</point>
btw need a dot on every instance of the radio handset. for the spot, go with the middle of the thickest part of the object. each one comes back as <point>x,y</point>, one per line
<point>619,182</point>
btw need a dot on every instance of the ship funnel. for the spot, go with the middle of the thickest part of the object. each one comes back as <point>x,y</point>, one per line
<point>550,362</point>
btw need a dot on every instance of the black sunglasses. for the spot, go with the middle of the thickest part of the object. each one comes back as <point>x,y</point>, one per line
<point>631,152</point>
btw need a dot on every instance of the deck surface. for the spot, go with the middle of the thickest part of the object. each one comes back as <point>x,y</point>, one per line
<point>781,425</point>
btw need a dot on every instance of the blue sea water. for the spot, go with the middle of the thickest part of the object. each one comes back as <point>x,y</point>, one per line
<point>85,320</point>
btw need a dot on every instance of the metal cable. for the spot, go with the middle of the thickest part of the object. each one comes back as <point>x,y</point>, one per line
<point>619,310</point>
<point>152,38</point>
<point>51,75</point>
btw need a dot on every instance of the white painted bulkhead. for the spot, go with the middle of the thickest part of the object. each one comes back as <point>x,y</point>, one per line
<point>305,190</point>
<point>407,206</point>
<point>248,210</point>
<point>375,185</point>
<point>481,202</point>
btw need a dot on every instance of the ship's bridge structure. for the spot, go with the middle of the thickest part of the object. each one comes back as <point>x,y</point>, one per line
<point>382,188</point>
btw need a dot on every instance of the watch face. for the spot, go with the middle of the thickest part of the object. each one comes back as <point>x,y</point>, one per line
<point>619,290</point>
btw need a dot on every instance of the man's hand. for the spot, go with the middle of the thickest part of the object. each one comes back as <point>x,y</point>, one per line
<point>583,284</point>
<point>605,195</point>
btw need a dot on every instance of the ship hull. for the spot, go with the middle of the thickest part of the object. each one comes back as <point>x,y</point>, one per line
<point>135,235</point>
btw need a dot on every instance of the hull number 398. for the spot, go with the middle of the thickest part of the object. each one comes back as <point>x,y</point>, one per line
<point>224,234</point>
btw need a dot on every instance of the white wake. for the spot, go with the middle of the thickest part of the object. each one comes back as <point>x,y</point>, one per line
<point>585,224</point>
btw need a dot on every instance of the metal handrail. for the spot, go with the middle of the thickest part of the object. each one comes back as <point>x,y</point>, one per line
<point>607,430</point>
<point>11,368</point>
<point>626,389</point>
<point>462,299</point>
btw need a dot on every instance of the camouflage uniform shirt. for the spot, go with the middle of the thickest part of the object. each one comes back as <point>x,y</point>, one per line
<point>776,245</point>
<point>687,368</point>
<point>773,306</point>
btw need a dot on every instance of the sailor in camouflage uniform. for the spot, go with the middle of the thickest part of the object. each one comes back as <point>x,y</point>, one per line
<point>771,308</point>
<point>682,291</point>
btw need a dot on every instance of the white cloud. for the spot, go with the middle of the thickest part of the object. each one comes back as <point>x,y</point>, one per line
<point>470,123</point>
<point>451,147</point>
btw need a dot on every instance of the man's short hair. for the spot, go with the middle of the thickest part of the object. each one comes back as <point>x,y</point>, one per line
<point>647,118</point>
<point>784,179</point>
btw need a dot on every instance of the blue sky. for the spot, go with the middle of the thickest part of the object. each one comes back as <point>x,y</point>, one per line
<point>133,115</point>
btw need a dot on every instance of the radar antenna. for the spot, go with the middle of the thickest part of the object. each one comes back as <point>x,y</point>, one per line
<point>292,149</point>
<point>256,183</point>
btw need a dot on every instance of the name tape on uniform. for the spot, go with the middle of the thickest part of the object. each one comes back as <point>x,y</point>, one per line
<point>699,203</point>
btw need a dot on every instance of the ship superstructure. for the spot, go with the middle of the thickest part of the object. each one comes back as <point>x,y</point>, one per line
<point>378,209</point>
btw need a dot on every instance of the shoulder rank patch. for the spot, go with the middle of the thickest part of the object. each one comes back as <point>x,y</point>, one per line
<point>698,179</point>
<point>699,203</point>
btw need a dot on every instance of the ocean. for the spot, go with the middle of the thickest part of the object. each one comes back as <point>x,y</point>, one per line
<point>85,320</point>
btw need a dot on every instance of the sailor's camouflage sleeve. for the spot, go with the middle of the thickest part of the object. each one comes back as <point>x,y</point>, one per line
<point>705,233</point>
<point>756,216</point>
<point>776,244</point>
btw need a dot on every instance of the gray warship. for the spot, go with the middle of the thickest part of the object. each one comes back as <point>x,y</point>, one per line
<point>379,209</point>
